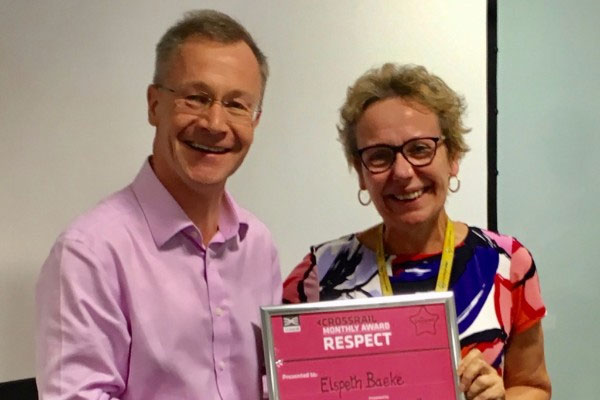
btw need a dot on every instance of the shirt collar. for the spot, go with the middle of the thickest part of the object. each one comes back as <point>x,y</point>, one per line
<point>166,218</point>
<point>231,220</point>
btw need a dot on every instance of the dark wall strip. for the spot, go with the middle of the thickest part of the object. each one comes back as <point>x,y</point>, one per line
<point>492,120</point>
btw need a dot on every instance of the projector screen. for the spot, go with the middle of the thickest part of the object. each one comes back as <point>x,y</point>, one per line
<point>74,127</point>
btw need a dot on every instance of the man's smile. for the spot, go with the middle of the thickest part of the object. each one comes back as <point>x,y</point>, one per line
<point>205,148</point>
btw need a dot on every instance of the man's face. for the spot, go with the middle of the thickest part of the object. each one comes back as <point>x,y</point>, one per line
<point>195,151</point>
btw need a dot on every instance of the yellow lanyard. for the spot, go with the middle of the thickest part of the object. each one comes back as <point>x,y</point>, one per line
<point>443,278</point>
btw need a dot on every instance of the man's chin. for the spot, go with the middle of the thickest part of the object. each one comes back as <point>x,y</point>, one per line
<point>206,181</point>
<point>205,176</point>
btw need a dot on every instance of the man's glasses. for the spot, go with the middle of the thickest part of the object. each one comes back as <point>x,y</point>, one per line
<point>419,152</point>
<point>190,101</point>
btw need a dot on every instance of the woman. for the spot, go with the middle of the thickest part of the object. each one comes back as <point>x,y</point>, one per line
<point>402,131</point>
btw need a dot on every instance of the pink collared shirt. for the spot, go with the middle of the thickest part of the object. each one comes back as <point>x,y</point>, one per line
<point>132,306</point>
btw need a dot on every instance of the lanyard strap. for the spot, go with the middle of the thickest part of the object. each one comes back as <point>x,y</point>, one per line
<point>443,278</point>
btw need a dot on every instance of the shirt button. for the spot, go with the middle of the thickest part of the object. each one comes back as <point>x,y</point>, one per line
<point>222,365</point>
<point>219,311</point>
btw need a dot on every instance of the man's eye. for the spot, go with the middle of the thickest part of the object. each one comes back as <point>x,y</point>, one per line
<point>237,105</point>
<point>201,98</point>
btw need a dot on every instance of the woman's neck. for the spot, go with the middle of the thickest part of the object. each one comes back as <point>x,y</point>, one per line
<point>427,237</point>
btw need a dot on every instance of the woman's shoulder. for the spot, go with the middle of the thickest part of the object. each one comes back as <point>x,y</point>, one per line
<point>342,244</point>
<point>349,249</point>
<point>519,263</point>
<point>302,284</point>
<point>505,243</point>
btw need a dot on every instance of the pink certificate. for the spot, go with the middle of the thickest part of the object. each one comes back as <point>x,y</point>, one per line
<point>386,348</point>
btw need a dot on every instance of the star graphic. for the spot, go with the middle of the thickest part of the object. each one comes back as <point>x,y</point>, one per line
<point>424,322</point>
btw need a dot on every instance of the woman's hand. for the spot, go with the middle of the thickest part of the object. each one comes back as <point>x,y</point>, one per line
<point>478,379</point>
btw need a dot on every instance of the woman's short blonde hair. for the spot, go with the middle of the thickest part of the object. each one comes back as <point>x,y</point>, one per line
<point>412,82</point>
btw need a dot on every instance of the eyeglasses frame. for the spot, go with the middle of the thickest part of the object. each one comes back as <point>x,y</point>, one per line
<point>400,149</point>
<point>253,117</point>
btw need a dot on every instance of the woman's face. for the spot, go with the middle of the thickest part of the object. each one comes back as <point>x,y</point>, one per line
<point>404,195</point>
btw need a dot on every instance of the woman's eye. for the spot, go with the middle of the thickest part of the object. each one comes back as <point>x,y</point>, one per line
<point>380,157</point>
<point>419,149</point>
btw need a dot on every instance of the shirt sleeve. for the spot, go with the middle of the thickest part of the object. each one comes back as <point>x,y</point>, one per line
<point>82,336</point>
<point>276,279</point>
<point>302,284</point>
<point>528,306</point>
<point>276,288</point>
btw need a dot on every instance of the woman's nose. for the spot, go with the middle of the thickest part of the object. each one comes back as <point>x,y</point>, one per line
<point>401,167</point>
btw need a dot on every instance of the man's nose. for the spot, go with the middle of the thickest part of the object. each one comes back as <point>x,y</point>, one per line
<point>215,117</point>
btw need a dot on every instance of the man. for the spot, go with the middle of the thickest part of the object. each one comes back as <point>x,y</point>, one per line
<point>155,293</point>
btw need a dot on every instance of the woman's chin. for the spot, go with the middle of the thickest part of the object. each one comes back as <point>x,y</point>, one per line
<point>411,219</point>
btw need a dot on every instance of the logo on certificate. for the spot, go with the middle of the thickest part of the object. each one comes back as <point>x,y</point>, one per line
<point>424,322</point>
<point>291,323</point>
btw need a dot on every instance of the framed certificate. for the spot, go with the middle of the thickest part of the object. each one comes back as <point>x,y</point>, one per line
<point>386,348</point>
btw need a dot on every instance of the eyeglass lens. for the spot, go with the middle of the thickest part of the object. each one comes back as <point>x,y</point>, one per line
<point>199,103</point>
<point>202,102</point>
<point>418,152</point>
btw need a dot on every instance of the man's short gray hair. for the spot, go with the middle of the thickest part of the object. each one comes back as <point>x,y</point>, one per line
<point>205,24</point>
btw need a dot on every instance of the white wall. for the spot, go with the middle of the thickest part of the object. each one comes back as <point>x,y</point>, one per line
<point>73,124</point>
<point>549,182</point>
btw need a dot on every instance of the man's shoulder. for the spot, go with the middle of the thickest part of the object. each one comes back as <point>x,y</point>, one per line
<point>112,215</point>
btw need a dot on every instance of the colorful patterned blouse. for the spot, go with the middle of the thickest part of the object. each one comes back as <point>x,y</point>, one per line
<point>494,280</point>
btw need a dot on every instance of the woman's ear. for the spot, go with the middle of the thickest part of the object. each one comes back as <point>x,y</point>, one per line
<point>454,166</point>
<point>359,171</point>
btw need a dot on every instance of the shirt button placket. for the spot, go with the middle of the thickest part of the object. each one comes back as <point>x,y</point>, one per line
<point>217,290</point>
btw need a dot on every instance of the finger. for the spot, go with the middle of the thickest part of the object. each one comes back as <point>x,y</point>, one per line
<point>482,384</point>
<point>471,371</point>
<point>467,359</point>
<point>495,392</point>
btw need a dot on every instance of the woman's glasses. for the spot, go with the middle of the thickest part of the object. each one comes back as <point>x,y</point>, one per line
<point>419,152</point>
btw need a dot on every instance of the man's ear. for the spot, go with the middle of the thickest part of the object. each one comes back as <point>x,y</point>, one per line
<point>257,120</point>
<point>152,99</point>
